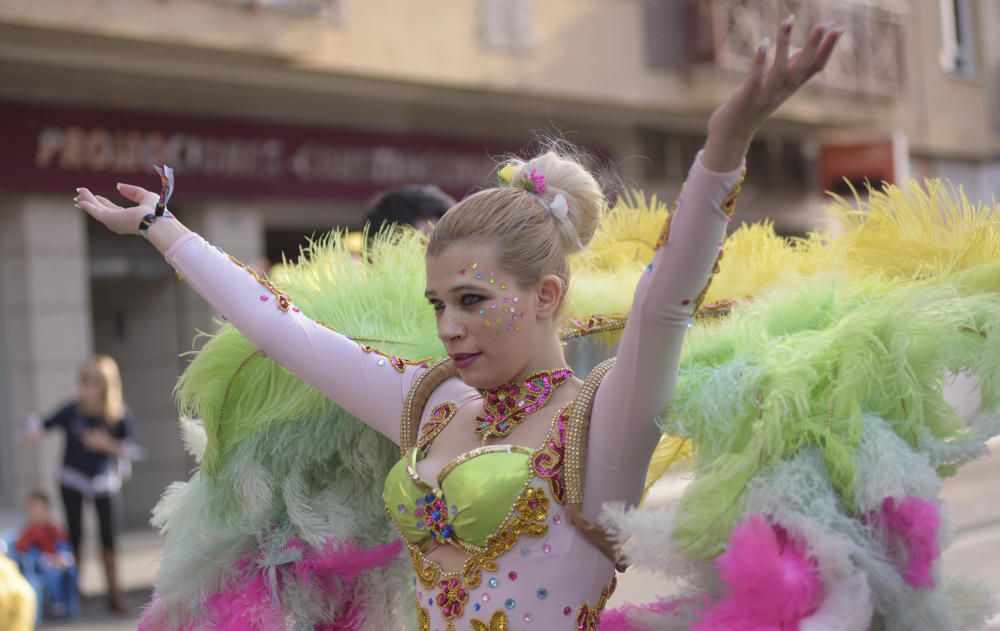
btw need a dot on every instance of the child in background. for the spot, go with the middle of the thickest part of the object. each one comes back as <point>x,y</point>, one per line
<point>46,558</point>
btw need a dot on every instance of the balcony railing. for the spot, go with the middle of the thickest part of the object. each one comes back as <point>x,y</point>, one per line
<point>683,35</point>
<point>868,59</point>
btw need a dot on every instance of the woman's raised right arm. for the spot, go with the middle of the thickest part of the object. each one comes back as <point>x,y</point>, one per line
<point>367,384</point>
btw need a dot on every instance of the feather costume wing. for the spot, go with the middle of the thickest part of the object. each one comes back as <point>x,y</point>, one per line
<point>284,518</point>
<point>818,406</point>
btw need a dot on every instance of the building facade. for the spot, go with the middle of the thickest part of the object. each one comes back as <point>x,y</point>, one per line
<point>283,118</point>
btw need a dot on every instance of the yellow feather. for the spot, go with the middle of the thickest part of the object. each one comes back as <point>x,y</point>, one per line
<point>903,234</point>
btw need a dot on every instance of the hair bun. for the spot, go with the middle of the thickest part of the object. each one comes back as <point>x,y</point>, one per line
<point>569,191</point>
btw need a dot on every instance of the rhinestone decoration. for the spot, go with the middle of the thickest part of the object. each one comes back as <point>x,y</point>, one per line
<point>548,461</point>
<point>434,516</point>
<point>452,598</point>
<point>589,617</point>
<point>441,415</point>
<point>506,406</point>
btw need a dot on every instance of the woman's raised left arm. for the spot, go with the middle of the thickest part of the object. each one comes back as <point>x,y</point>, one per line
<point>639,387</point>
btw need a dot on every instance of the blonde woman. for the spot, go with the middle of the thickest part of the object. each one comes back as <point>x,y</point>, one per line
<point>97,426</point>
<point>498,522</point>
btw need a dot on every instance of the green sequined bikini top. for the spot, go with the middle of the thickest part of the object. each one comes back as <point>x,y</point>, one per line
<point>472,497</point>
<point>476,493</point>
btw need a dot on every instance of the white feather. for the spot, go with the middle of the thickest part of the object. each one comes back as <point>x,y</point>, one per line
<point>194,437</point>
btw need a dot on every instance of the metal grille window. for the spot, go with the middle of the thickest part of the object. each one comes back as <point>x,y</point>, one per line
<point>508,24</point>
<point>669,154</point>
<point>868,58</point>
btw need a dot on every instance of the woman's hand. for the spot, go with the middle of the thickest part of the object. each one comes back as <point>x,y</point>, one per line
<point>116,218</point>
<point>34,430</point>
<point>163,233</point>
<point>99,440</point>
<point>732,126</point>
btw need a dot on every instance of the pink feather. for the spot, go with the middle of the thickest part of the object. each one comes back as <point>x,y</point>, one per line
<point>345,562</point>
<point>770,583</point>
<point>244,607</point>
<point>620,619</point>
<point>248,605</point>
<point>915,522</point>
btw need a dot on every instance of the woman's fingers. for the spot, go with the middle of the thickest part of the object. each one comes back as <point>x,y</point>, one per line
<point>108,203</point>
<point>756,78</point>
<point>118,219</point>
<point>86,196</point>
<point>85,199</point>
<point>777,77</point>
<point>802,62</point>
<point>94,210</point>
<point>138,195</point>
<point>825,51</point>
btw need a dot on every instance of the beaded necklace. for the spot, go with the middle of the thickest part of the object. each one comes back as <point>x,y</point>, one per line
<point>505,407</point>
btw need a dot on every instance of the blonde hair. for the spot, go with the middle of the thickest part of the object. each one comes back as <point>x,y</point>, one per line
<point>531,240</point>
<point>104,370</point>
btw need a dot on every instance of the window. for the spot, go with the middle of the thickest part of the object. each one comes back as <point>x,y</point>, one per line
<point>957,51</point>
<point>508,24</point>
<point>669,154</point>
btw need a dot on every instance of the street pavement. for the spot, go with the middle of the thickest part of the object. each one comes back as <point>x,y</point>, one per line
<point>974,507</point>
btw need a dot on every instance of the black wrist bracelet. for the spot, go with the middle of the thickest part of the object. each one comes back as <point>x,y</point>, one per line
<point>150,218</point>
<point>145,223</point>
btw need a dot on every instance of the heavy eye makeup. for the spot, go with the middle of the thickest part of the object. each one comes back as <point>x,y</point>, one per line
<point>465,300</point>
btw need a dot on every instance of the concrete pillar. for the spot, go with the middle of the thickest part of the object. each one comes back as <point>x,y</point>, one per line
<point>45,326</point>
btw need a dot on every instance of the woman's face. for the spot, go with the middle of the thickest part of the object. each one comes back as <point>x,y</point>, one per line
<point>487,323</point>
<point>91,390</point>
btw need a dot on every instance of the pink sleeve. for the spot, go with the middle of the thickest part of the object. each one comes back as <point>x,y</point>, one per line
<point>366,384</point>
<point>623,432</point>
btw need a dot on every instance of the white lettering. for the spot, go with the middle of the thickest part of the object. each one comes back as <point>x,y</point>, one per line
<point>51,141</point>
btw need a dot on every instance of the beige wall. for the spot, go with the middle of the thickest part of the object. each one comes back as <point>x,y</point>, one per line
<point>948,115</point>
<point>586,54</point>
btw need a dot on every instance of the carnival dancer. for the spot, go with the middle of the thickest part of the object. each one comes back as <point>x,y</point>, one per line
<point>506,456</point>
